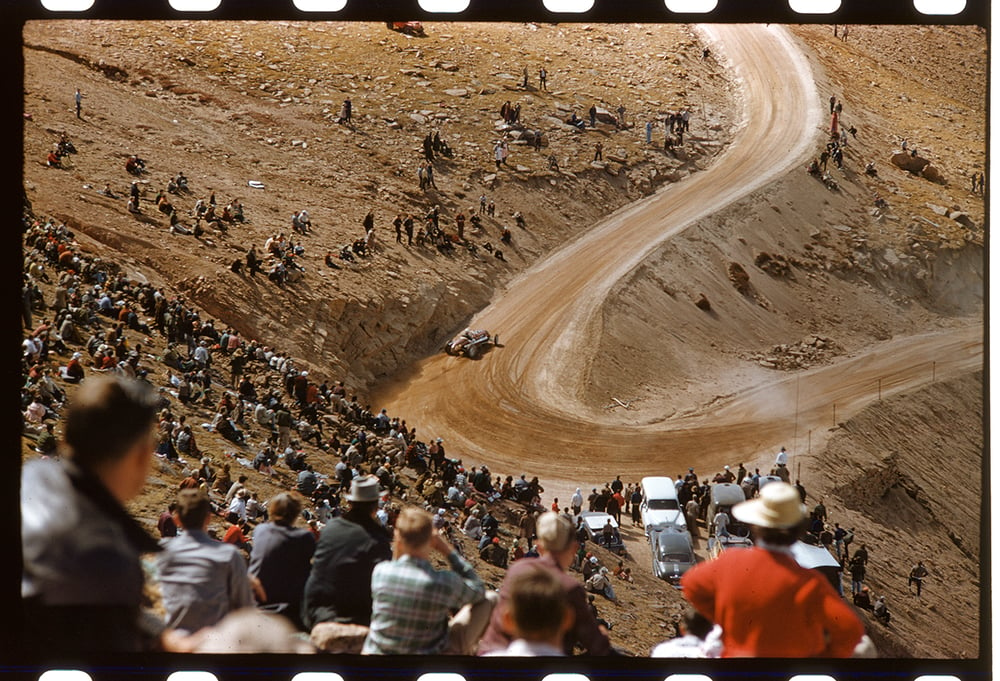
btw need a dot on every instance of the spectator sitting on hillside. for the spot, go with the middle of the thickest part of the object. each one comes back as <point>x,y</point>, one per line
<point>339,585</point>
<point>412,601</point>
<point>600,583</point>
<point>281,559</point>
<point>201,579</point>
<point>494,554</point>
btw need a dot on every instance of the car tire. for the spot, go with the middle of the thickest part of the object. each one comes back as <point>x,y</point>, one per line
<point>472,352</point>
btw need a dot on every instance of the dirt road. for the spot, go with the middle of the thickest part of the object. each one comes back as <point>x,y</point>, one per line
<point>519,407</point>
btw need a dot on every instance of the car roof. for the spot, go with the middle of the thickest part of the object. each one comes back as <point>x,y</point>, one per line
<point>673,537</point>
<point>809,556</point>
<point>596,520</point>
<point>659,487</point>
<point>727,494</point>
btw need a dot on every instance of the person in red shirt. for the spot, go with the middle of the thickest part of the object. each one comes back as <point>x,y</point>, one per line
<point>766,604</point>
<point>234,533</point>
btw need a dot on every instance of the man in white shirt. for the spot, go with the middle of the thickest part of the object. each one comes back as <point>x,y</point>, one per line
<point>782,458</point>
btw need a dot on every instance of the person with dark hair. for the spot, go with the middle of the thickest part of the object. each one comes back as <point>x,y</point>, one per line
<point>201,580</point>
<point>766,604</point>
<point>557,547</point>
<point>537,615</point>
<point>166,524</point>
<point>693,639</point>
<point>82,580</point>
<point>281,559</point>
<point>339,585</point>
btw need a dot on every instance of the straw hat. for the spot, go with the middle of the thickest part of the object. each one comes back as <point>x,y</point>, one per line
<point>778,506</point>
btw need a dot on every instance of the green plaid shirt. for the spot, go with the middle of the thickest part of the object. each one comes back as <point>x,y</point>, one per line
<point>412,603</point>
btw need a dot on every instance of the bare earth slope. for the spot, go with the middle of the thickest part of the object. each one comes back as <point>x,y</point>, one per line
<point>259,101</point>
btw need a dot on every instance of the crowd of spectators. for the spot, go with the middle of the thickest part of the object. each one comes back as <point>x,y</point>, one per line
<point>222,550</point>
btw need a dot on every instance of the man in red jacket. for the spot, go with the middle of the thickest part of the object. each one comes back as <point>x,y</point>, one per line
<point>766,604</point>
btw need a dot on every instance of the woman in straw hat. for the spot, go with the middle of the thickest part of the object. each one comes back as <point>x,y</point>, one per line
<point>766,604</point>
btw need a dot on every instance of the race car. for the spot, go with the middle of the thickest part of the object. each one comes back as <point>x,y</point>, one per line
<point>471,343</point>
<point>414,28</point>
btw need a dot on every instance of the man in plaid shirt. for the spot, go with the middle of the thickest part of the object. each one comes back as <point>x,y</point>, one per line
<point>412,601</point>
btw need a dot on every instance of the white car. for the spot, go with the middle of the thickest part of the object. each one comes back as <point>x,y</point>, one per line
<point>660,507</point>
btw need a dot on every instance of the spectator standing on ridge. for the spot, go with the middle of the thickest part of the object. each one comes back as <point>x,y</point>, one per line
<point>412,601</point>
<point>917,574</point>
<point>202,580</point>
<point>766,604</point>
<point>78,98</point>
<point>82,580</point>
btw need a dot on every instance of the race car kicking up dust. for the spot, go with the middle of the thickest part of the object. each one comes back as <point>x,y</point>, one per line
<point>471,343</point>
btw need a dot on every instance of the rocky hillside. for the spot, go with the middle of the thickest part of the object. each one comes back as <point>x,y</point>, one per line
<point>261,101</point>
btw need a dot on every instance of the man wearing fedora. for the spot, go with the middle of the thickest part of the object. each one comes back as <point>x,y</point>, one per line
<point>766,604</point>
<point>349,547</point>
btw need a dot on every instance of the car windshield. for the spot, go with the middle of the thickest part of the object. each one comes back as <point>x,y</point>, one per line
<point>663,505</point>
<point>677,557</point>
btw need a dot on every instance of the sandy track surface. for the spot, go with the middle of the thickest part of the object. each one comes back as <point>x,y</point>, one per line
<point>519,408</point>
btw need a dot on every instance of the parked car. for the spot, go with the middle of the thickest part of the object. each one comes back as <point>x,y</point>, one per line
<point>722,497</point>
<point>471,343</point>
<point>716,545</point>
<point>660,506</point>
<point>818,558</point>
<point>766,480</point>
<point>673,554</point>
<point>595,521</point>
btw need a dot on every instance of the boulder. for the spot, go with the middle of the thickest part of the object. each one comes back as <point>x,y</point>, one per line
<point>963,219</point>
<point>912,164</point>
<point>605,116</point>
<point>417,118</point>
<point>740,279</point>
<point>702,303</point>
<point>336,637</point>
<point>934,175</point>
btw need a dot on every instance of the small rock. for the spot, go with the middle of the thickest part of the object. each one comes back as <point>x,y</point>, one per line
<point>521,169</point>
<point>702,303</point>
<point>457,92</point>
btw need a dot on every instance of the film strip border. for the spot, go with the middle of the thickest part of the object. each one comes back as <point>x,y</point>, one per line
<point>536,669</point>
<point>315,668</point>
<point>675,11</point>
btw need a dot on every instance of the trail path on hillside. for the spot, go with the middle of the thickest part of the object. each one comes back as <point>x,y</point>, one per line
<point>519,408</point>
